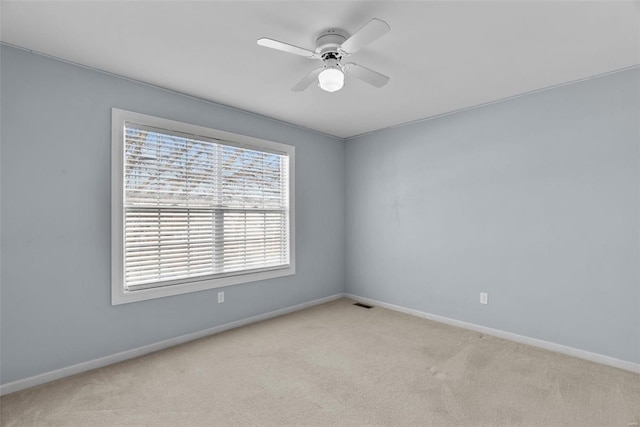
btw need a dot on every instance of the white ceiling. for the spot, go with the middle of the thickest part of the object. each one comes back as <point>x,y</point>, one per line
<point>441,56</point>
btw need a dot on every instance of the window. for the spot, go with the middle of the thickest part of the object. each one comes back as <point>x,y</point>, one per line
<point>195,208</point>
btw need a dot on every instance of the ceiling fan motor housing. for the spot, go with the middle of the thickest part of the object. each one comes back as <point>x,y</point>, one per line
<point>328,42</point>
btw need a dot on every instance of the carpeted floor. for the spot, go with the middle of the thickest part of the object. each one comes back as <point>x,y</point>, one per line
<point>338,364</point>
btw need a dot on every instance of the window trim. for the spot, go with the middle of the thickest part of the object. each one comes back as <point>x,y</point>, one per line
<point>120,295</point>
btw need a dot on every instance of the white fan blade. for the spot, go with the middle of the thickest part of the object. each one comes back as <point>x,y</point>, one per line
<point>365,35</point>
<point>307,80</point>
<point>366,75</point>
<point>275,44</point>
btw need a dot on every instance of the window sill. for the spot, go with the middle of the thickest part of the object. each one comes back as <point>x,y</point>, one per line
<point>122,296</point>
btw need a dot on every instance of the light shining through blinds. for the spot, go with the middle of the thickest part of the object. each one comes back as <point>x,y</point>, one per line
<point>197,208</point>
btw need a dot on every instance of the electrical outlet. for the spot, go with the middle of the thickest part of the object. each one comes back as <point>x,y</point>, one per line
<point>484,298</point>
<point>220,297</point>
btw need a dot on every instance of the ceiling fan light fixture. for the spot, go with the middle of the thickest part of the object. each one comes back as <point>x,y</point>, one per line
<point>331,79</point>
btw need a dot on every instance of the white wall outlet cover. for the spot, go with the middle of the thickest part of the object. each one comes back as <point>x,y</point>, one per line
<point>484,298</point>
<point>220,297</point>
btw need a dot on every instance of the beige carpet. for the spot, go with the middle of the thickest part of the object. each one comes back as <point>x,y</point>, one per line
<point>338,364</point>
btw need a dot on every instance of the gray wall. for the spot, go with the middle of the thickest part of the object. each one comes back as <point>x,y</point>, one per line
<point>534,200</point>
<point>55,219</point>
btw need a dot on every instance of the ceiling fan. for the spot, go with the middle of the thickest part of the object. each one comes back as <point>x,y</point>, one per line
<point>332,46</point>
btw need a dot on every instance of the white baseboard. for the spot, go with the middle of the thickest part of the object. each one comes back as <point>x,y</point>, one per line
<point>140,351</point>
<point>558,348</point>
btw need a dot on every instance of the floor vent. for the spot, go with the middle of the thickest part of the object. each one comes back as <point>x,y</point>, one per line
<point>359,304</point>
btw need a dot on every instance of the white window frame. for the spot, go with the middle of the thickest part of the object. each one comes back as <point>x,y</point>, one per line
<point>119,293</point>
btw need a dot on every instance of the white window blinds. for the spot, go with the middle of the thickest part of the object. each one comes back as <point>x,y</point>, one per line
<point>198,208</point>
